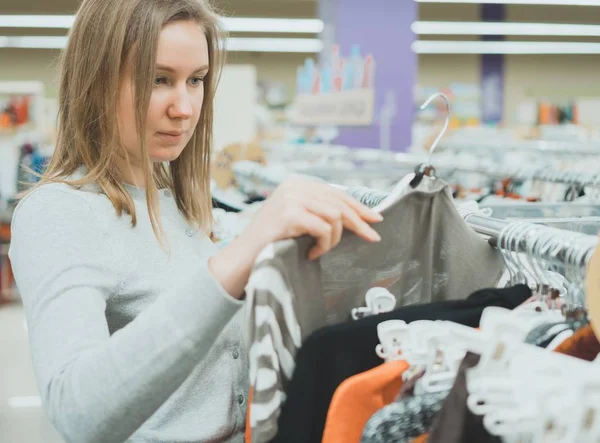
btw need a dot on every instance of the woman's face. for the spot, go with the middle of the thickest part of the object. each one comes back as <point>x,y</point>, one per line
<point>178,91</point>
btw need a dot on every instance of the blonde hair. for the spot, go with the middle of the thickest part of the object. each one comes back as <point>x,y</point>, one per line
<point>106,36</point>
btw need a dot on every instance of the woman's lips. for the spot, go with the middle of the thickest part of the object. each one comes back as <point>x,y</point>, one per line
<point>171,136</point>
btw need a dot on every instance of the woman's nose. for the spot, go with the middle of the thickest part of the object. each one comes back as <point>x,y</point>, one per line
<point>181,106</point>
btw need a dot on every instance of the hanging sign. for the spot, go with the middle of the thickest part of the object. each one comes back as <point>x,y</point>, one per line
<point>351,108</point>
<point>338,91</point>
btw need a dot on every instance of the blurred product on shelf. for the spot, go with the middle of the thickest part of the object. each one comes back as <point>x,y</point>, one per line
<point>31,163</point>
<point>14,112</point>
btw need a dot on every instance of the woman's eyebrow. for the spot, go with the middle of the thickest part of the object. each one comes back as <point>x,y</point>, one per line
<point>169,69</point>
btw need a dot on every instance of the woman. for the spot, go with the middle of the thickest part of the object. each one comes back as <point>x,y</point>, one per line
<point>133,312</point>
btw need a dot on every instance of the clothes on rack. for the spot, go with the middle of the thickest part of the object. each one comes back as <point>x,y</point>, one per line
<point>447,417</point>
<point>582,344</point>
<point>289,296</point>
<point>217,204</point>
<point>404,420</point>
<point>335,353</point>
<point>456,423</point>
<point>544,334</point>
<point>359,397</point>
<point>315,375</point>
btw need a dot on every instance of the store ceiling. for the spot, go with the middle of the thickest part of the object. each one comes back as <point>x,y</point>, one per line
<point>308,9</point>
<point>247,8</point>
<point>234,8</point>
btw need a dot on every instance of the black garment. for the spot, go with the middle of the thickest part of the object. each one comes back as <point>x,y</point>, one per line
<point>574,192</point>
<point>254,199</point>
<point>456,423</point>
<point>332,354</point>
<point>217,204</point>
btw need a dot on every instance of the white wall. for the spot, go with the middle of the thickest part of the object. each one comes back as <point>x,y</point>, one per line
<point>41,65</point>
<point>442,70</point>
<point>272,67</point>
<point>553,77</point>
<point>526,76</point>
<point>30,65</point>
<point>235,106</point>
<point>557,77</point>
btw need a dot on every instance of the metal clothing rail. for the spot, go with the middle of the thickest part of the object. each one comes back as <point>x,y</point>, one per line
<point>536,146</point>
<point>398,163</point>
<point>445,169</point>
<point>552,245</point>
<point>566,177</point>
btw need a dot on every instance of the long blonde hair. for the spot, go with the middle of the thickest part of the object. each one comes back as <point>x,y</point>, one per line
<point>107,35</point>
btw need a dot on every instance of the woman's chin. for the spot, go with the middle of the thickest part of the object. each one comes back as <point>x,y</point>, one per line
<point>165,154</point>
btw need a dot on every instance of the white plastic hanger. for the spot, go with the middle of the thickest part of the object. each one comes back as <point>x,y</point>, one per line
<point>555,396</point>
<point>414,178</point>
<point>392,335</point>
<point>378,300</point>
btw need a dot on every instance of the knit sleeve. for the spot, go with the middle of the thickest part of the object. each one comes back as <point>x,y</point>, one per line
<point>97,387</point>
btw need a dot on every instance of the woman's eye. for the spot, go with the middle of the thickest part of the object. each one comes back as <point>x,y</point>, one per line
<point>160,81</point>
<point>196,81</point>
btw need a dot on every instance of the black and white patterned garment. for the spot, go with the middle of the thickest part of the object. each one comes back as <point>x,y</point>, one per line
<point>428,254</point>
<point>405,420</point>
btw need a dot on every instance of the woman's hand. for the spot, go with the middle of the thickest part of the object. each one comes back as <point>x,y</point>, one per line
<point>303,206</point>
<point>299,206</point>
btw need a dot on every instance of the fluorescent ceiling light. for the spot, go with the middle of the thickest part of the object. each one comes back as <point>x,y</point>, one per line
<point>521,2</point>
<point>487,28</point>
<point>233,24</point>
<point>300,26</point>
<point>37,21</point>
<point>463,47</point>
<point>33,42</point>
<point>303,45</point>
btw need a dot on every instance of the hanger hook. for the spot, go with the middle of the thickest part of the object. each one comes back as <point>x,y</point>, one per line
<point>446,124</point>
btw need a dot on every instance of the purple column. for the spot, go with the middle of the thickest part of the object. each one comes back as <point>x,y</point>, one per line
<point>381,28</point>
<point>492,70</point>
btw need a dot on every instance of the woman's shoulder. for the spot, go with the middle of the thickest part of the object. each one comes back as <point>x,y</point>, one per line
<point>58,203</point>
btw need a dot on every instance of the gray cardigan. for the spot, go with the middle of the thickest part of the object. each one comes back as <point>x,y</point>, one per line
<point>128,343</point>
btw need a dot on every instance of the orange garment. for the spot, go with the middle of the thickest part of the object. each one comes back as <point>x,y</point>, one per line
<point>248,433</point>
<point>582,344</point>
<point>358,398</point>
<point>421,439</point>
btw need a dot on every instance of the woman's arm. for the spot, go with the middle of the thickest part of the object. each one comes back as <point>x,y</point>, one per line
<point>97,387</point>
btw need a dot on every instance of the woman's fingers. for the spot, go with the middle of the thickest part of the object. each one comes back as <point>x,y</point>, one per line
<point>364,212</point>
<point>352,220</point>
<point>332,214</point>
<point>320,230</point>
<point>307,207</point>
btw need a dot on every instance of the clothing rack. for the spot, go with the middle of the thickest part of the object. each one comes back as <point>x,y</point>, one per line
<point>567,177</point>
<point>395,164</point>
<point>541,174</point>
<point>535,146</point>
<point>570,249</point>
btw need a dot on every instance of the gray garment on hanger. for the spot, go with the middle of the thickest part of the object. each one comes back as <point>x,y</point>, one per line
<point>427,253</point>
<point>402,421</point>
